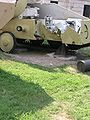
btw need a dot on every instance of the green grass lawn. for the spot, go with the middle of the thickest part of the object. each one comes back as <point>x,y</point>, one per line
<point>31,92</point>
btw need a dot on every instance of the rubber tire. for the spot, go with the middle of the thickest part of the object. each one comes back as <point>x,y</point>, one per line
<point>5,48</point>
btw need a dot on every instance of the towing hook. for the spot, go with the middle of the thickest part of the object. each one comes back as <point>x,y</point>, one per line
<point>20,29</point>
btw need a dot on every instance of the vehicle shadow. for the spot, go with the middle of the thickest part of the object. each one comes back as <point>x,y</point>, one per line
<point>19,97</point>
<point>51,68</point>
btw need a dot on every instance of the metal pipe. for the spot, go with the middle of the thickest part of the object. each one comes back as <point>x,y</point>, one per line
<point>83,65</point>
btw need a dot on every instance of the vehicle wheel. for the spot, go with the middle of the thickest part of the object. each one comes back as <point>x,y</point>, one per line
<point>54,44</point>
<point>7,42</point>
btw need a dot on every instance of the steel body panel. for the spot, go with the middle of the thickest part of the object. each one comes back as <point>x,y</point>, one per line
<point>85,31</point>
<point>47,35</point>
<point>81,38</point>
<point>20,7</point>
<point>71,37</point>
<point>6,13</point>
<point>27,25</point>
<point>57,12</point>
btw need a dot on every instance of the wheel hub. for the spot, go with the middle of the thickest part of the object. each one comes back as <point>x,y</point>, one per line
<point>5,42</point>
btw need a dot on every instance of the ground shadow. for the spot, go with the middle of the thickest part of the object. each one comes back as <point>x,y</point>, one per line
<point>37,66</point>
<point>18,96</point>
<point>51,69</point>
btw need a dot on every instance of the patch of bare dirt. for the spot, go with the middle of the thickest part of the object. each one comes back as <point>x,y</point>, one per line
<point>61,116</point>
<point>43,58</point>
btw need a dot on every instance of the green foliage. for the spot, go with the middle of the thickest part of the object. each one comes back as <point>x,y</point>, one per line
<point>32,92</point>
<point>85,52</point>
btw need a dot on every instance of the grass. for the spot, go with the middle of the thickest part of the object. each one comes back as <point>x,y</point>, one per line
<point>32,92</point>
<point>85,52</point>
